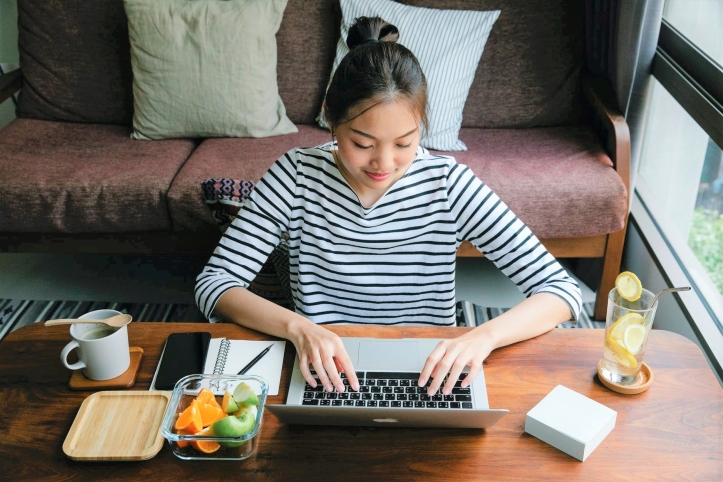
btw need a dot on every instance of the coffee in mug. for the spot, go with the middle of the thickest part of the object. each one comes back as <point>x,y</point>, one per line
<point>97,333</point>
<point>103,351</point>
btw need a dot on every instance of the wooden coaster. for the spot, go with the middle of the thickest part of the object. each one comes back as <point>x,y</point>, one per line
<point>641,383</point>
<point>78,381</point>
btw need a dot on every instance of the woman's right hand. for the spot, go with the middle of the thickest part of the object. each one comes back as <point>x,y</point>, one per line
<point>325,351</point>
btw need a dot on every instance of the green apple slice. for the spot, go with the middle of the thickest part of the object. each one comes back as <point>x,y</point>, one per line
<point>231,426</point>
<point>252,409</point>
<point>244,395</point>
<point>229,404</point>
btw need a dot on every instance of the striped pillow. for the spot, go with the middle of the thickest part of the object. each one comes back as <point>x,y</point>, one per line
<point>448,45</point>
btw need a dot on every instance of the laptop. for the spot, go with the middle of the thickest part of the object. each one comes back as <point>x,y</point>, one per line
<point>388,371</point>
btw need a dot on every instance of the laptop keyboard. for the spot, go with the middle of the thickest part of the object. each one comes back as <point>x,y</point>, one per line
<point>388,390</point>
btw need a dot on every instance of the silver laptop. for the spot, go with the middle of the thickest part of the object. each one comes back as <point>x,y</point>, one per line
<point>388,372</point>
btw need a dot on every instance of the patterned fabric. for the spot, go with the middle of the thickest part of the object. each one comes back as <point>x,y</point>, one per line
<point>225,197</point>
<point>448,45</point>
<point>15,314</point>
<point>474,315</point>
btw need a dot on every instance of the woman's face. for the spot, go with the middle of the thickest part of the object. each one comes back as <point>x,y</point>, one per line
<point>376,148</point>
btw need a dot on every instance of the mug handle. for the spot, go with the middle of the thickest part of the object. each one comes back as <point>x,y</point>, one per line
<point>64,356</point>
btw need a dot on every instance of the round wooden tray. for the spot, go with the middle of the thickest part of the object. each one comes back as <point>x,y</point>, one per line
<point>642,382</point>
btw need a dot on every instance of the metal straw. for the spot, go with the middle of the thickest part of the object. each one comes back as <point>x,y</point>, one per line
<point>668,290</point>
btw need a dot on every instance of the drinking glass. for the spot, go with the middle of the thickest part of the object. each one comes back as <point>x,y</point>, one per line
<point>627,326</point>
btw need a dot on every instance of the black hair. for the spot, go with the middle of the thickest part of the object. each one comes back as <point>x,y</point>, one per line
<point>377,69</point>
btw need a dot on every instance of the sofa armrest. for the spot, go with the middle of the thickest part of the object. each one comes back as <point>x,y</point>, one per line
<point>610,124</point>
<point>9,84</point>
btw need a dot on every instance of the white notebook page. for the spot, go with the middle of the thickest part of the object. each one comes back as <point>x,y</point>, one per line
<point>242,352</point>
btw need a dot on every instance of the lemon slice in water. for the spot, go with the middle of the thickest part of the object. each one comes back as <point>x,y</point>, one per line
<point>628,286</point>
<point>633,338</point>
<point>621,354</point>
<point>617,331</point>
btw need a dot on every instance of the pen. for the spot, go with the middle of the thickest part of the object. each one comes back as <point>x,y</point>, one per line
<point>253,362</point>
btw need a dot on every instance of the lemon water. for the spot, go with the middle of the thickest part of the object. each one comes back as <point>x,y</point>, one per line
<point>627,327</point>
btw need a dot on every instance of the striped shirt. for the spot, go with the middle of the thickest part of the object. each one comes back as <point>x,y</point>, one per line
<point>389,264</point>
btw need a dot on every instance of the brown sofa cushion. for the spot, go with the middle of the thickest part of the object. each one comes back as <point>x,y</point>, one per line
<point>557,180</point>
<point>242,158</point>
<point>84,178</point>
<point>75,57</point>
<point>528,76</point>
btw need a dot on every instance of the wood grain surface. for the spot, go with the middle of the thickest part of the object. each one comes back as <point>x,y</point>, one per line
<point>127,379</point>
<point>672,431</point>
<point>118,425</point>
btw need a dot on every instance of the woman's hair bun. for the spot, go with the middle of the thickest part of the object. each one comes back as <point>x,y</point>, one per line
<point>370,30</point>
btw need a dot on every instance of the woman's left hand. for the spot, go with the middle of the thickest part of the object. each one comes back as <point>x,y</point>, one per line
<point>451,356</point>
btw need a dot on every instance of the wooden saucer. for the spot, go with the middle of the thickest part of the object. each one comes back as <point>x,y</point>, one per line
<point>78,381</point>
<point>641,383</point>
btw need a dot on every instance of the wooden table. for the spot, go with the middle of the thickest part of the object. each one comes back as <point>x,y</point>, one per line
<point>672,431</point>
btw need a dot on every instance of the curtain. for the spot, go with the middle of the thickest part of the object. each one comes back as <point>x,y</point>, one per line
<point>622,36</point>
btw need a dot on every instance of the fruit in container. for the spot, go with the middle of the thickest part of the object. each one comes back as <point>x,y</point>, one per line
<point>234,417</point>
<point>228,404</point>
<point>244,395</point>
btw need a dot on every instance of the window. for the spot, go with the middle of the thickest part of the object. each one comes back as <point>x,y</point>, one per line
<point>680,174</point>
<point>681,181</point>
<point>700,22</point>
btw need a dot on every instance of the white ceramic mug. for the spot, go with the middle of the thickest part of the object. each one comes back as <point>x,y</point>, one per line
<point>103,352</point>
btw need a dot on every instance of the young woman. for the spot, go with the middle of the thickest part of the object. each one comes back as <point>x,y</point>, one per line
<point>374,222</point>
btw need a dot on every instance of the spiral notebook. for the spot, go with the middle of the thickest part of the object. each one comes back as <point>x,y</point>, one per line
<point>230,356</point>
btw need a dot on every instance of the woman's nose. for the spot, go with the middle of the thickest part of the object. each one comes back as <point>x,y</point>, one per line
<point>384,162</point>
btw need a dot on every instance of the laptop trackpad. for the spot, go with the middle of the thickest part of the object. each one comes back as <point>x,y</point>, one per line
<point>389,355</point>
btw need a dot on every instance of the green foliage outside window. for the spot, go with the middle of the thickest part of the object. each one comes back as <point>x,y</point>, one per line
<point>706,241</point>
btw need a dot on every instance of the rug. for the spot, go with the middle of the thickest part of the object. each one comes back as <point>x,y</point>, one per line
<point>15,314</point>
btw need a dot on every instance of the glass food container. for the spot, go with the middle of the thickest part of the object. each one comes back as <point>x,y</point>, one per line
<point>206,445</point>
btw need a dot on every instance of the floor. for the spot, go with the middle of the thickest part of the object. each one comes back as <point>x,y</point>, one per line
<point>170,279</point>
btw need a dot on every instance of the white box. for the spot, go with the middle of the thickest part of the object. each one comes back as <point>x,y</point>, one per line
<point>570,422</point>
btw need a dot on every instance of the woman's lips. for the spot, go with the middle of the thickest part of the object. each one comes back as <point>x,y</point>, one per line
<point>375,176</point>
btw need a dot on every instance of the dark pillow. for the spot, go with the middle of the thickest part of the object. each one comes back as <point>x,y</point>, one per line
<point>225,197</point>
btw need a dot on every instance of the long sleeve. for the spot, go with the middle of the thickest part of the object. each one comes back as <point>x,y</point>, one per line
<point>485,221</point>
<point>248,241</point>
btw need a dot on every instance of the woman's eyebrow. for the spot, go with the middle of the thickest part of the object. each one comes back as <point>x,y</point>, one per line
<point>372,137</point>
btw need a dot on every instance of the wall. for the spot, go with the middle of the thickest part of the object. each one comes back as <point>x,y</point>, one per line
<point>8,51</point>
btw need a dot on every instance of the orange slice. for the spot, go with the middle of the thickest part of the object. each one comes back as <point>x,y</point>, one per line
<point>190,419</point>
<point>183,443</point>
<point>205,446</point>
<point>205,396</point>
<point>210,412</point>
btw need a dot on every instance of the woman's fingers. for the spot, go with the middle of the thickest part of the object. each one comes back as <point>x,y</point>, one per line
<point>343,359</point>
<point>333,374</point>
<point>473,372</point>
<point>305,372</point>
<point>321,372</point>
<point>431,363</point>
<point>454,373</point>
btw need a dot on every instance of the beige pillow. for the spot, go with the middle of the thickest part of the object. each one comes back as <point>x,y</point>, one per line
<point>205,68</point>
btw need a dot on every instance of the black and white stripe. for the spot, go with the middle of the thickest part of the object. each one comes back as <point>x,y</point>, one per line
<point>448,45</point>
<point>392,263</point>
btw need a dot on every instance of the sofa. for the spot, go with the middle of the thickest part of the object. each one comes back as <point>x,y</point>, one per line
<point>541,131</point>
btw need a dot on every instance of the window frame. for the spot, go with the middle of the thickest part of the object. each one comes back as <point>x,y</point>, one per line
<point>695,81</point>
